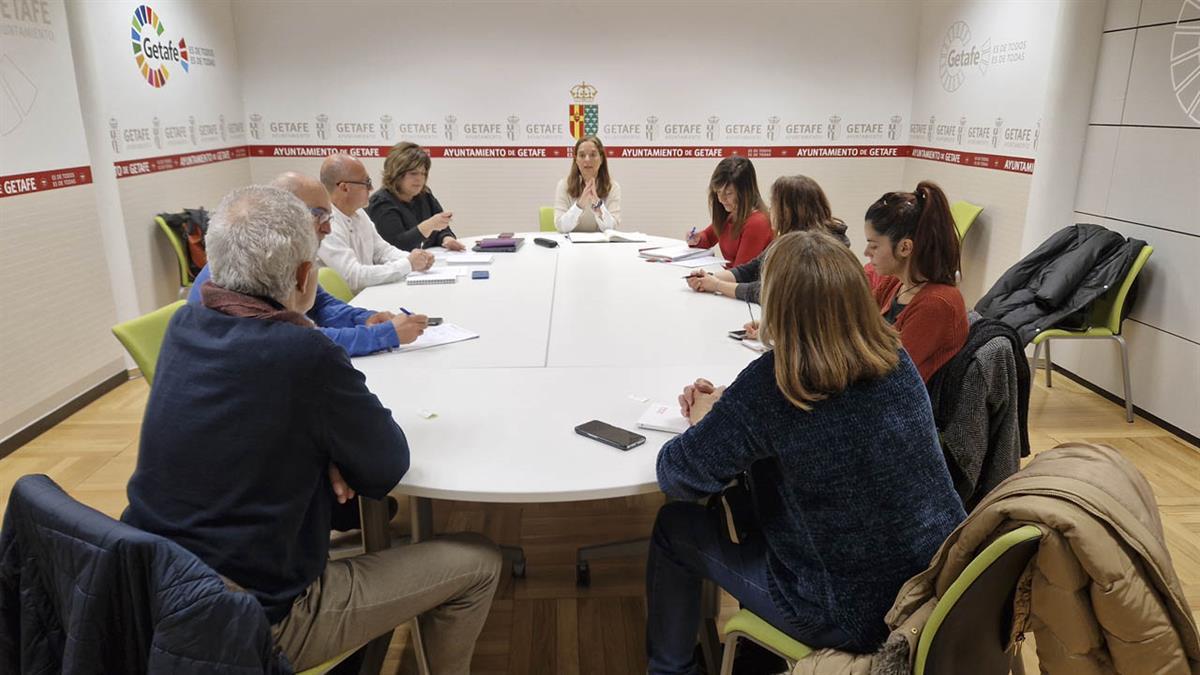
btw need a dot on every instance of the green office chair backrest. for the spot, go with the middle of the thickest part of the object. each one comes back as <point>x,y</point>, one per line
<point>964,214</point>
<point>185,272</point>
<point>546,219</point>
<point>334,284</point>
<point>969,628</point>
<point>1108,309</point>
<point>143,337</point>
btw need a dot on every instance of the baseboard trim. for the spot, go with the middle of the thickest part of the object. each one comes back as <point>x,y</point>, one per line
<point>41,426</point>
<point>1149,417</point>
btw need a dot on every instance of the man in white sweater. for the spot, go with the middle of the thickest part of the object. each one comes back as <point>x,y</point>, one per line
<point>353,247</point>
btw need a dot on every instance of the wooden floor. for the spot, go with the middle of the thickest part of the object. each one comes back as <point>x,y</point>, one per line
<point>543,623</point>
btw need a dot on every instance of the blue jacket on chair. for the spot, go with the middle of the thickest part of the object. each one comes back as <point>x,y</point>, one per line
<point>83,593</point>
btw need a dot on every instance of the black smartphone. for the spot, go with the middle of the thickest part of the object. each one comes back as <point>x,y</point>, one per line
<point>610,435</point>
<point>738,334</point>
<point>434,321</point>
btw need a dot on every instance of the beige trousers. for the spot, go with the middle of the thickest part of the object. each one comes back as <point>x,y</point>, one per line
<point>448,581</point>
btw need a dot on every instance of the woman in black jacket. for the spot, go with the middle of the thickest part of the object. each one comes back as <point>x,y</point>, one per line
<point>405,212</point>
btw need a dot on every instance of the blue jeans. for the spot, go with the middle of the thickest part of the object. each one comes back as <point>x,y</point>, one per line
<point>688,546</point>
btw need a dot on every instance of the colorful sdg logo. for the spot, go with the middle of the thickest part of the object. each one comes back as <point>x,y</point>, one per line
<point>151,52</point>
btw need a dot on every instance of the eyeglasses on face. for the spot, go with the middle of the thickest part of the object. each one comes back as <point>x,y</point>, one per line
<point>365,183</point>
<point>320,215</point>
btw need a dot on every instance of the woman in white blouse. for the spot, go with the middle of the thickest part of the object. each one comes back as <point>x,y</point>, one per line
<point>587,200</point>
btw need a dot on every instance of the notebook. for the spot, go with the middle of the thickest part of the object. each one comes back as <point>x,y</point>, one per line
<point>610,236</point>
<point>754,345</point>
<point>663,417</point>
<point>435,336</point>
<point>704,261</point>
<point>433,276</point>
<point>497,245</point>
<point>672,253</point>
<point>462,258</point>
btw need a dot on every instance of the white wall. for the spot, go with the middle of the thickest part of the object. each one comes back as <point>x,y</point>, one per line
<point>481,63</point>
<point>144,129</point>
<point>1141,177</point>
<point>57,304</point>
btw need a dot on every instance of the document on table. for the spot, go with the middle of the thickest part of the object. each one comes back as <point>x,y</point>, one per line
<point>664,417</point>
<point>434,336</point>
<point>435,275</point>
<point>693,263</point>
<point>464,258</point>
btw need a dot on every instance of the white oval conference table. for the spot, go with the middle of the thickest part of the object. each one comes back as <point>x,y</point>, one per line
<point>566,335</point>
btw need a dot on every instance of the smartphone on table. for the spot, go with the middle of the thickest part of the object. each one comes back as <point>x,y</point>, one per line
<point>610,435</point>
<point>738,334</point>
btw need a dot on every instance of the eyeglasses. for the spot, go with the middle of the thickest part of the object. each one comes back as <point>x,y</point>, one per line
<point>320,215</point>
<point>365,183</point>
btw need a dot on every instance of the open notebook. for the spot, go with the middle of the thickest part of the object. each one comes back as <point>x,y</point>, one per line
<point>672,253</point>
<point>435,336</point>
<point>607,237</point>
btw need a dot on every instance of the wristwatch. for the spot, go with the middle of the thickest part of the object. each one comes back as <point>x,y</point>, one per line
<point>598,203</point>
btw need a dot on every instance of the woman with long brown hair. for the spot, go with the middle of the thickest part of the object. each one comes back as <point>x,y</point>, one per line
<point>913,249</point>
<point>851,493</point>
<point>739,218</point>
<point>588,199</point>
<point>798,204</point>
<point>404,210</point>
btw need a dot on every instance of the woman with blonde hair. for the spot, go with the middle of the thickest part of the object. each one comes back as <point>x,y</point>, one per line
<point>851,493</point>
<point>798,204</point>
<point>404,210</point>
<point>588,199</point>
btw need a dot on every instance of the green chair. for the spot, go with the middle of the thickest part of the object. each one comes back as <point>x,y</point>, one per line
<point>334,284</point>
<point>964,214</point>
<point>1107,314</point>
<point>185,271</point>
<point>142,337</point>
<point>546,219</point>
<point>328,665</point>
<point>967,631</point>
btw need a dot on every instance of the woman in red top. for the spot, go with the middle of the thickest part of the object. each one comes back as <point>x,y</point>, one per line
<point>913,246</point>
<point>739,218</point>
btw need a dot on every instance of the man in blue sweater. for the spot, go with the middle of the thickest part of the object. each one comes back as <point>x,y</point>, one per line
<point>358,331</point>
<point>250,407</point>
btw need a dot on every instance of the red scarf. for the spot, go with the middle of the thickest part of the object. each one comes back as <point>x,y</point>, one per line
<point>244,306</point>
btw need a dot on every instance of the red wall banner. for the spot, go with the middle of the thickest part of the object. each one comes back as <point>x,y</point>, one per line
<point>42,181</point>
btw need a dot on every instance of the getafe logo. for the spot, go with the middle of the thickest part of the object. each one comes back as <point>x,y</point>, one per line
<point>583,115</point>
<point>996,131</point>
<point>385,127</point>
<point>512,130</point>
<point>712,130</point>
<point>256,126</point>
<point>958,55</point>
<point>834,129</point>
<point>114,134</point>
<point>893,130</point>
<point>651,128</point>
<point>153,53</point>
<point>156,125</point>
<point>772,127</point>
<point>322,126</point>
<point>451,127</point>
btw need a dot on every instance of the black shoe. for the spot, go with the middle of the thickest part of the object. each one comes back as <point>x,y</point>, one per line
<point>345,517</point>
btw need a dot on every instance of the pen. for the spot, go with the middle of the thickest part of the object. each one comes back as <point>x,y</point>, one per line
<point>692,234</point>
<point>750,309</point>
<point>406,312</point>
<point>688,276</point>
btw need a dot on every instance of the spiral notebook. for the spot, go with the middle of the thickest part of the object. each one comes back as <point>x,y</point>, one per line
<point>440,276</point>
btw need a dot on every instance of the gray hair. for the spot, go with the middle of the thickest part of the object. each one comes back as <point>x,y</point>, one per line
<point>257,238</point>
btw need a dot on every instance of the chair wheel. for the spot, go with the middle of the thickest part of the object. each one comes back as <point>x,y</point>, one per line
<point>583,574</point>
<point>518,569</point>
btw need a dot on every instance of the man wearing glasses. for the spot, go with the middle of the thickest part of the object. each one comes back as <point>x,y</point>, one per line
<point>358,331</point>
<point>353,247</point>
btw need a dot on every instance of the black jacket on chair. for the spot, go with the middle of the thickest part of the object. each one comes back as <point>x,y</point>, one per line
<point>1055,284</point>
<point>83,593</point>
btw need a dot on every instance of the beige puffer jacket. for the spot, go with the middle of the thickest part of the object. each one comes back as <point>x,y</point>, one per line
<point>1101,595</point>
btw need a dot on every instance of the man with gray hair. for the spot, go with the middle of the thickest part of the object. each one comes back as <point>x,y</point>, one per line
<point>354,247</point>
<point>358,331</point>
<point>240,477</point>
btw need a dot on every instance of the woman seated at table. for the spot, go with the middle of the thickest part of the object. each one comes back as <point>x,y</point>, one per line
<point>851,493</point>
<point>588,199</point>
<point>798,204</point>
<point>739,219</point>
<point>405,212</point>
<point>913,247</point>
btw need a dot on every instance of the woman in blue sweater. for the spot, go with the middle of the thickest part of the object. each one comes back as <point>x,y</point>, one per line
<point>852,495</point>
